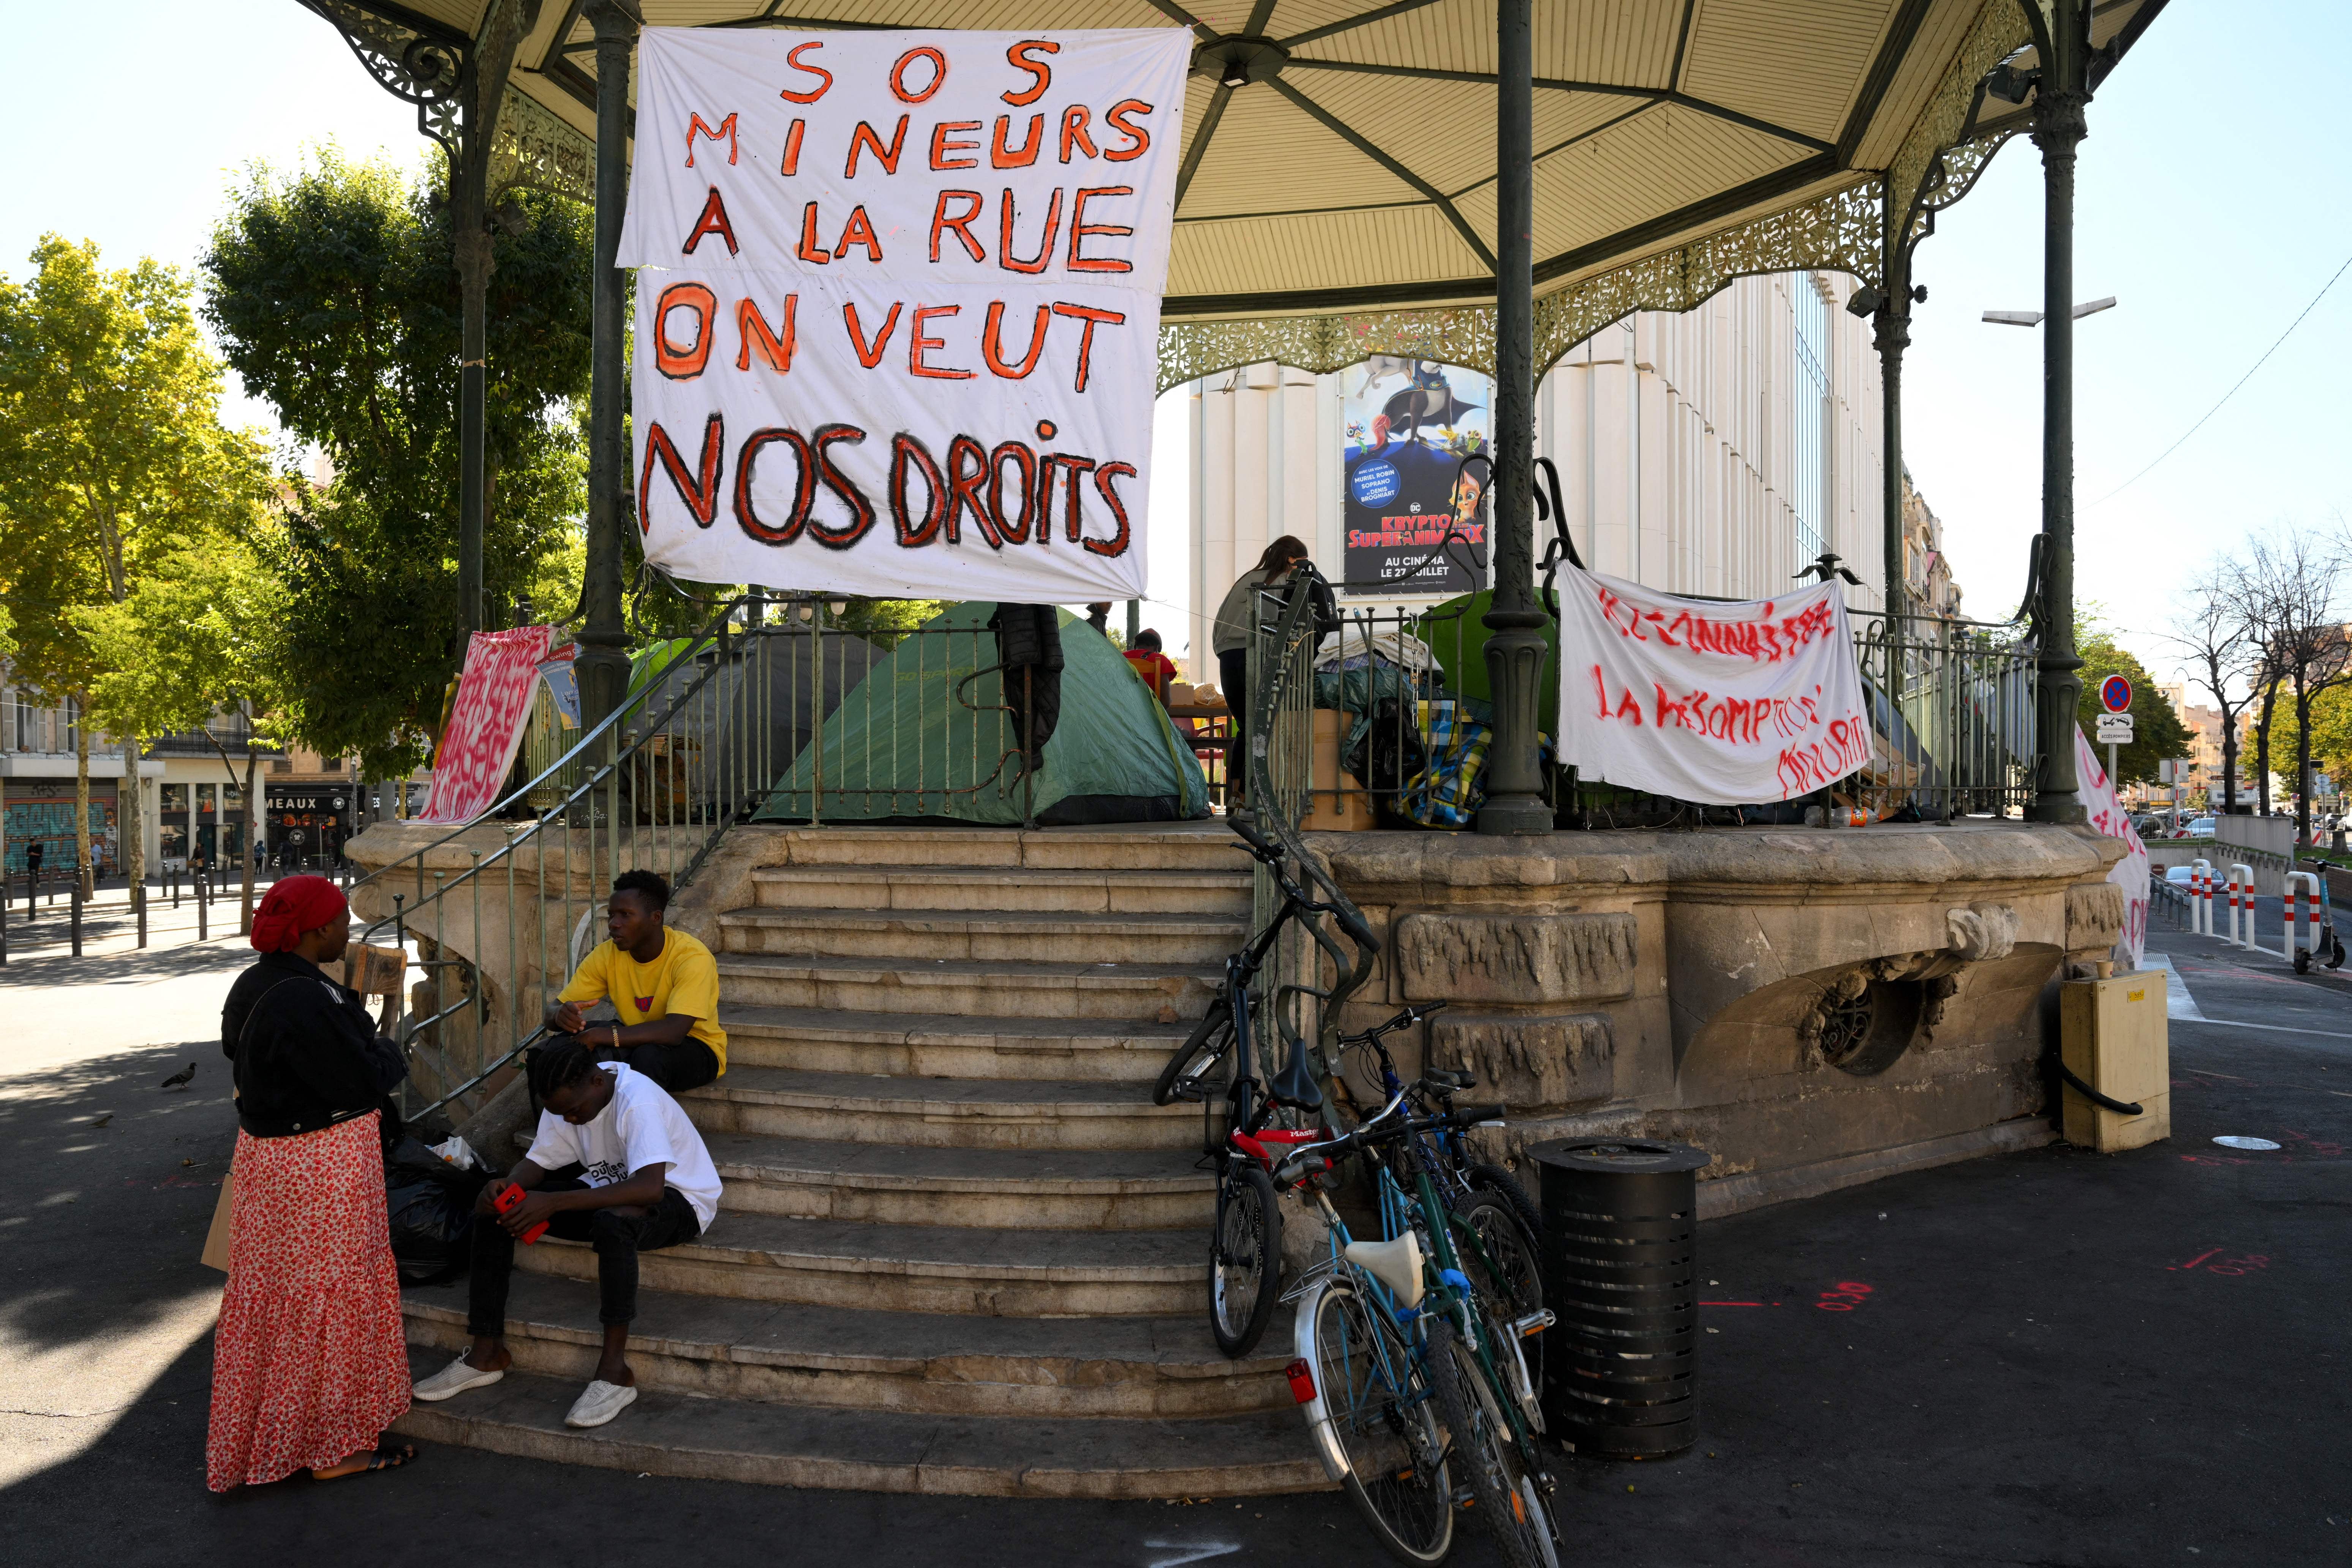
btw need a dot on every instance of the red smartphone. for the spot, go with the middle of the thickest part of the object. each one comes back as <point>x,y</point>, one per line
<point>508,1201</point>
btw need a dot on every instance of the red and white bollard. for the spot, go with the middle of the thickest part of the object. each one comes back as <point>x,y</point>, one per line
<point>2200,897</point>
<point>2302,913</point>
<point>2241,906</point>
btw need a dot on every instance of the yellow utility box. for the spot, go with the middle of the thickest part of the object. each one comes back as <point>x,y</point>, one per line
<point>2112,1034</point>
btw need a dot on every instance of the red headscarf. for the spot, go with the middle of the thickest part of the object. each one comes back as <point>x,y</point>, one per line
<point>292,909</point>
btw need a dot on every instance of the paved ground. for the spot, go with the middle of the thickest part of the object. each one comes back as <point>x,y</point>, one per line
<point>2060,1358</point>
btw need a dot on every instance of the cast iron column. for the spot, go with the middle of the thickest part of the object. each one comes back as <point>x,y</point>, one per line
<point>1515,641</point>
<point>470,216</point>
<point>1892,320</point>
<point>602,666</point>
<point>2058,128</point>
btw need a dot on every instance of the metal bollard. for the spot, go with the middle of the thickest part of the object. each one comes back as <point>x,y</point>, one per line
<point>1620,1270</point>
<point>77,917</point>
<point>2200,897</point>
<point>2241,906</point>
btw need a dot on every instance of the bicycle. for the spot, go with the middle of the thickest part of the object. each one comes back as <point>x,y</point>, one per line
<point>1246,1241</point>
<point>1397,1338</point>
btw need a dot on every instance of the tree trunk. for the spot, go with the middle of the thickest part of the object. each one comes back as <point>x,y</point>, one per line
<point>2302,762</point>
<point>83,868</point>
<point>2262,747</point>
<point>2229,765</point>
<point>245,837</point>
<point>130,812</point>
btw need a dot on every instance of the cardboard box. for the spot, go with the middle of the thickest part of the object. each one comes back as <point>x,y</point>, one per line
<point>1338,803</point>
<point>373,970</point>
<point>2114,1035</point>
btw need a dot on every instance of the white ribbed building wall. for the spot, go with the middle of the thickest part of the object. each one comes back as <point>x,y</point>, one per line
<point>1683,443</point>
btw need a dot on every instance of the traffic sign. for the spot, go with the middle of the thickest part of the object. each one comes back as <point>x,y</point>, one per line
<point>2114,692</point>
<point>2115,729</point>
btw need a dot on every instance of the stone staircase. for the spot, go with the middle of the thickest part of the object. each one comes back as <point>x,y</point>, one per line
<point>961,1251</point>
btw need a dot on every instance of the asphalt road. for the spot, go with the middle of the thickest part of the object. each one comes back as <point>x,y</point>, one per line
<point>2060,1357</point>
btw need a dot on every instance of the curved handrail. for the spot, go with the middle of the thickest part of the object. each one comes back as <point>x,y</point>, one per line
<point>1300,622</point>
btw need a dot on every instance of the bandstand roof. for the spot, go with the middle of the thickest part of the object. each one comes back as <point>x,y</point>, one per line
<point>1351,175</point>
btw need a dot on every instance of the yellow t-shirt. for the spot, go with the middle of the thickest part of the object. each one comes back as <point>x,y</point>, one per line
<point>684,979</point>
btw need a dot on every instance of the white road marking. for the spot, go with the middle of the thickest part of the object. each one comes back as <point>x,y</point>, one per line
<point>2178,1002</point>
<point>1194,1553</point>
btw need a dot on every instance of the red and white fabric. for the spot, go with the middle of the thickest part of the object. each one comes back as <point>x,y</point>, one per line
<point>2130,873</point>
<point>1720,703</point>
<point>485,722</point>
<point>309,1363</point>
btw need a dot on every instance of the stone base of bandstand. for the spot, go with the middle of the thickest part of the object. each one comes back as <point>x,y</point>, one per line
<point>1814,1008</point>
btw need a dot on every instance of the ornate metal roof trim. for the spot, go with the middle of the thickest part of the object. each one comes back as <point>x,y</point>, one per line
<point>535,148</point>
<point>412,58</point>
<point>1839,232</point>
<point>1999,30</point>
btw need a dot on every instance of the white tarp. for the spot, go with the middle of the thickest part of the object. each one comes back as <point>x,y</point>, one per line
<point>1724,704</point>
<point>2130,873</point>
<point>898,306</point>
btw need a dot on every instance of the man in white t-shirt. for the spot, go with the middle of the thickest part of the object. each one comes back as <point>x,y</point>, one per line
<point>646,1182</point>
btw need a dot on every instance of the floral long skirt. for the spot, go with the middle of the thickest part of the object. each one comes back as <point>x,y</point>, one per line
<point>308,1363</point>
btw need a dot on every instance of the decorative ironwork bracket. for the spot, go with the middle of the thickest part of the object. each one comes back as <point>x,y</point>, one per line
<point>411,56</point>
<point>535,149</point>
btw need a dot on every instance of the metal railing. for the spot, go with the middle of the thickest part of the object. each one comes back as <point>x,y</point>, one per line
<point>690,752</point>
<point>1954,714</point>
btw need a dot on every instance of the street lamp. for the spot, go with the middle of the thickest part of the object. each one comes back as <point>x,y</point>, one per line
<point>2033,317</point>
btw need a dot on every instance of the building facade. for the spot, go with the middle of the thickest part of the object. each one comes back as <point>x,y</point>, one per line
<point>1927,570</point>
<point>1715,452</point>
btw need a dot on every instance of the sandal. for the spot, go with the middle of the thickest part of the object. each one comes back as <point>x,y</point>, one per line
<point>386,1458</point>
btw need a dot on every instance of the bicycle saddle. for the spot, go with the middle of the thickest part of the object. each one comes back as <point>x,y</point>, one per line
<point>1293,1084</point>
<point>1395,1263</point>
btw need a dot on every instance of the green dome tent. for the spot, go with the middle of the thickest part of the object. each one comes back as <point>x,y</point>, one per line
<point>920,741</point>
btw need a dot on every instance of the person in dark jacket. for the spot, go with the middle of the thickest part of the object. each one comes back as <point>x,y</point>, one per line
<point>309,1362</point>
<point>1029,647</point>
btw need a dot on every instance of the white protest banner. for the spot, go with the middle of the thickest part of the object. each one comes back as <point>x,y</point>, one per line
<point>898,306</point>
<point>1724,704</point>
<point>2131,873</point>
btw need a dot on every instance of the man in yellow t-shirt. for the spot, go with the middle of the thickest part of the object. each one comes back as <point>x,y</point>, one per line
<point>662,982</point>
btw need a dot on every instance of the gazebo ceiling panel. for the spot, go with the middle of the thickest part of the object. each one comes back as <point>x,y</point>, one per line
<point>1797,65</point>
<point>1319,251</point>
<point>1266,154</point>
<point>1657,122</point>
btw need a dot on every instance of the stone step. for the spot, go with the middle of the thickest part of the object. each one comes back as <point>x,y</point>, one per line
<point>1014,936</point>
<point>1162,992</point>
<point>948,1045</point>
<point>1206,845</point>
<point>667,1433</point>
<point>918,1268</point>
<point>1111,890</point>
<point>1042,1189</point>
<point>791,1354</point>
<point>941,1112</point>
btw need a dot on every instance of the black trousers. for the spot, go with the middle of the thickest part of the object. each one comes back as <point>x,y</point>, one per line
<point>1232,675</point>
<point>617,1235</point>
<point>690,1064</point>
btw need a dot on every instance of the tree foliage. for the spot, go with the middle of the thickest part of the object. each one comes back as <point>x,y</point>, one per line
<point>335,296</point>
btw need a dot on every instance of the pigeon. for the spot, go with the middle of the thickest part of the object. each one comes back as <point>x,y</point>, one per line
<point>180,1079</point>
<point>101,1121</point>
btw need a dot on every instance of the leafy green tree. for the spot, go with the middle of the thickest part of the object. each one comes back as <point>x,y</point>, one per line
<point>111,455</point>
<point>334,294</point>
<point>2157,733</point>
<point>197,637</point>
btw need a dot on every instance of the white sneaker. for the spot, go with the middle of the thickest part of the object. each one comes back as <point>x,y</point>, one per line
<point>456,1378</point>
<point>599,1402</point>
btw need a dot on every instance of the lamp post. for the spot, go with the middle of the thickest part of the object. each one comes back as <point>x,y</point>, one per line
<point>1515,640</point>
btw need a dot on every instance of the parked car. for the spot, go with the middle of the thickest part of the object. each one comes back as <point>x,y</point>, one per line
<point>2179,876</point>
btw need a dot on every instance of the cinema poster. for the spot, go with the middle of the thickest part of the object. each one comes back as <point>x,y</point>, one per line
<point>1414,477</point>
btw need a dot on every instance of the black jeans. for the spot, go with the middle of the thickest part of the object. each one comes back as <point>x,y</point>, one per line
<point>690,1064</point>
<point>1233,674</point>
<point>617,1235</point>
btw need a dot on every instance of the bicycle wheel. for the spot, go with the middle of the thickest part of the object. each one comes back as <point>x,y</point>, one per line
<point>1516,1290</point>
<point>1510,1506</point>
<point>1213,1037</point>
<point>1380,1409</point>
<point>1244,1260</point>
<point>1507,1186</point>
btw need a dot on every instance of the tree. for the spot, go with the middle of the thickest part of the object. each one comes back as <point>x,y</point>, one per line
<point>111,454</point>
<point>2291,592</point>
<point>335,296</point>
<point>2157,733</point>
<point>2224,660</point>
<point>2329,734</point>
<point>198,636</point>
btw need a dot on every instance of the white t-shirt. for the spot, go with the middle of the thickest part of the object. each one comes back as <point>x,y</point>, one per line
<point>641,1125</point>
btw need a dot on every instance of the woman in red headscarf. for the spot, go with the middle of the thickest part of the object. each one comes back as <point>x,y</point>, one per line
<point>309,1363</point>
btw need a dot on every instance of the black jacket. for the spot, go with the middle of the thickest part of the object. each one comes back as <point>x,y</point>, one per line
<point>312,1057</point>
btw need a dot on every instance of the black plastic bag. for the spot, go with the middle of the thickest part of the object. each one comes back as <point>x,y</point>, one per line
<point>1389,753</point>
<point>429,1207</point>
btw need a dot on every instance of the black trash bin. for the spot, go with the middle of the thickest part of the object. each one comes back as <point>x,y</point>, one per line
<point>1620,1270</point>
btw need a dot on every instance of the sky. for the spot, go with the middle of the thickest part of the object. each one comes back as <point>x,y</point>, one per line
<point>2212,202</point>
